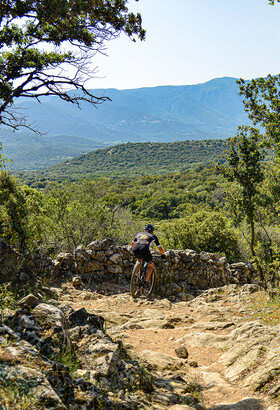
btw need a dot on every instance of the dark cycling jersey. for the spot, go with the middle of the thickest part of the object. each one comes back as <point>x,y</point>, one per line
<point>141,249</point>
<point>146,238</point>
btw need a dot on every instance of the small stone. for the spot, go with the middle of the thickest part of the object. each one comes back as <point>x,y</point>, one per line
<point>182,352</point>
<point>76,281</point>
<point>29,300</point>
<point>193,364</point>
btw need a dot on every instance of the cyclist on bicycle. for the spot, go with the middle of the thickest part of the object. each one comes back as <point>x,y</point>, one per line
<point>141,247</point>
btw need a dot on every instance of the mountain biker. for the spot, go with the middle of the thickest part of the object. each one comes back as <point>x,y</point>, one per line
<point>141,247</point>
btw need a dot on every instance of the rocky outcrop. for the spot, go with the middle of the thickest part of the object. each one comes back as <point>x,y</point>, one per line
<point>34,344</point>
<point>60,357</point>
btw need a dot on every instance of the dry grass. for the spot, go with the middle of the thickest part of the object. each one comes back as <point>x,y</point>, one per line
<point>265,309</point>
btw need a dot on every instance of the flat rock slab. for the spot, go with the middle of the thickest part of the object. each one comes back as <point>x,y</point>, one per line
<point>244,404</point>
<point>151,319</point>
<point>201,339</point>
<point>161,361</point>
<point>212,325</point>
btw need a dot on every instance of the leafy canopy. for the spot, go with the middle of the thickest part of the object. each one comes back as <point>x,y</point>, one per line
<point>41,40</point>
<point>262,102</point>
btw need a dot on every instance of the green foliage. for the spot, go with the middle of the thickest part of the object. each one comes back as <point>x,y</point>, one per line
<point>272,2</point>
<point>76,214</point>
<point>187,208</point>
<point>33,151</point>
<point>18,393</point>
<point>71,32</point>
<point>262,103</point>
<point>201,231</point>
<point>244,166</point>
<point>7,298</point>
<point>19,207</point>
<point>3,160</point>
<point>134,160</point>
<point>13,208</point>
<point>68,357</point>
<point>265,308</point>
<point>258,193</point>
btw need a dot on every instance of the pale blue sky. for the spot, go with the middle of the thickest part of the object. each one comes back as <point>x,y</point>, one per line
<point>193,41</point>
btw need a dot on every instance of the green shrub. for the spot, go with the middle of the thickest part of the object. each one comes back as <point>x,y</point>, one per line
<point>202,231</point>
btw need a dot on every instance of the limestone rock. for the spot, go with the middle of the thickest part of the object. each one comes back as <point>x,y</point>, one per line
<point>64,261</point>
<point>81,317</point>
<point>149,319</point>
<point>29,300</point>
<point>80,254</point>
<point>77,281</point>
<point>182,352</point>
<point>34,383</point>
<point>49,316</point>
<point>244,404</point>
<point>161,361</point>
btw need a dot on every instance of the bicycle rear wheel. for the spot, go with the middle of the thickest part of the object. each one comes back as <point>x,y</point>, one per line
<point>148,287</point>
<point>135,281</point>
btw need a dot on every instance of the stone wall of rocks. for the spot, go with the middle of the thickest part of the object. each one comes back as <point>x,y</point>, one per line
<point>183,272</point>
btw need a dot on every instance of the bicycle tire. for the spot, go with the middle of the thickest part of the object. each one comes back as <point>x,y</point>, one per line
<point>135,281</point>
<point>147,291</point>
<point>137,286</point>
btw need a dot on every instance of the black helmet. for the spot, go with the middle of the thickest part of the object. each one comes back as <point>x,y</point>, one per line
<point>149,228</point>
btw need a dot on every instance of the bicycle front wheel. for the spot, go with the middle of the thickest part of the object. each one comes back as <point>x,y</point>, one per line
<point>135,281</point>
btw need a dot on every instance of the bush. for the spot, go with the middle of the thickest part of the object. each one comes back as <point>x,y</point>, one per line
<point>202,231</point>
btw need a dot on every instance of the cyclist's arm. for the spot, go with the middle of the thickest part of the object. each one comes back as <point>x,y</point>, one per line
<point>161,249</point>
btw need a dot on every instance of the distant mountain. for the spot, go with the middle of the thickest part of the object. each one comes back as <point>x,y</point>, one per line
<point>211,110</point>
<point>32,151</point>
<point>132,159</point>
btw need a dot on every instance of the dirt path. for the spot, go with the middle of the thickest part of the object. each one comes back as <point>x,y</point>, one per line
<point>159,327</point>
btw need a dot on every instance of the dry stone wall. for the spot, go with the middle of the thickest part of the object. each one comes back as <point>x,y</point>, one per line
<point>184,271</point>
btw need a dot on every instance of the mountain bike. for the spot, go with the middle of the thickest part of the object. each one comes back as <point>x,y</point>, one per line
<point>138,285</point>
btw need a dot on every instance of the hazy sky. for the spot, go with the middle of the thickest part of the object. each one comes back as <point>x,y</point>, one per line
<point>193,41</point>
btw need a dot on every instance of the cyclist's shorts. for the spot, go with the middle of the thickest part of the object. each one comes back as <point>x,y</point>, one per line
<point>142,252</point>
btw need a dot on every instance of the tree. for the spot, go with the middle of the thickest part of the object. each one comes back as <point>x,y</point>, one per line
<point>2,158</point>
<point>262,102</point>
<point>46,48</point>
<point>13,210</point>
<point>244,166</point>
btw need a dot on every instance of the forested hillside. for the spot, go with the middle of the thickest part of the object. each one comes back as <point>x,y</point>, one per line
<point>133,159</point>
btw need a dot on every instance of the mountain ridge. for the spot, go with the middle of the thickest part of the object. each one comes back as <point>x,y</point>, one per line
<point>211,110</point>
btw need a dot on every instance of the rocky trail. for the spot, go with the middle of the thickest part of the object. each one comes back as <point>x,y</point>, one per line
<point>80,348</point>
<point>81,342</point>
<point>210,350</point>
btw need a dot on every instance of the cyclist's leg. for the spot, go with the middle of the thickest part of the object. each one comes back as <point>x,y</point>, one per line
<point>149,270</point>
<point>139,256</point>
<point>150,265</point>
<point>138,266</point>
